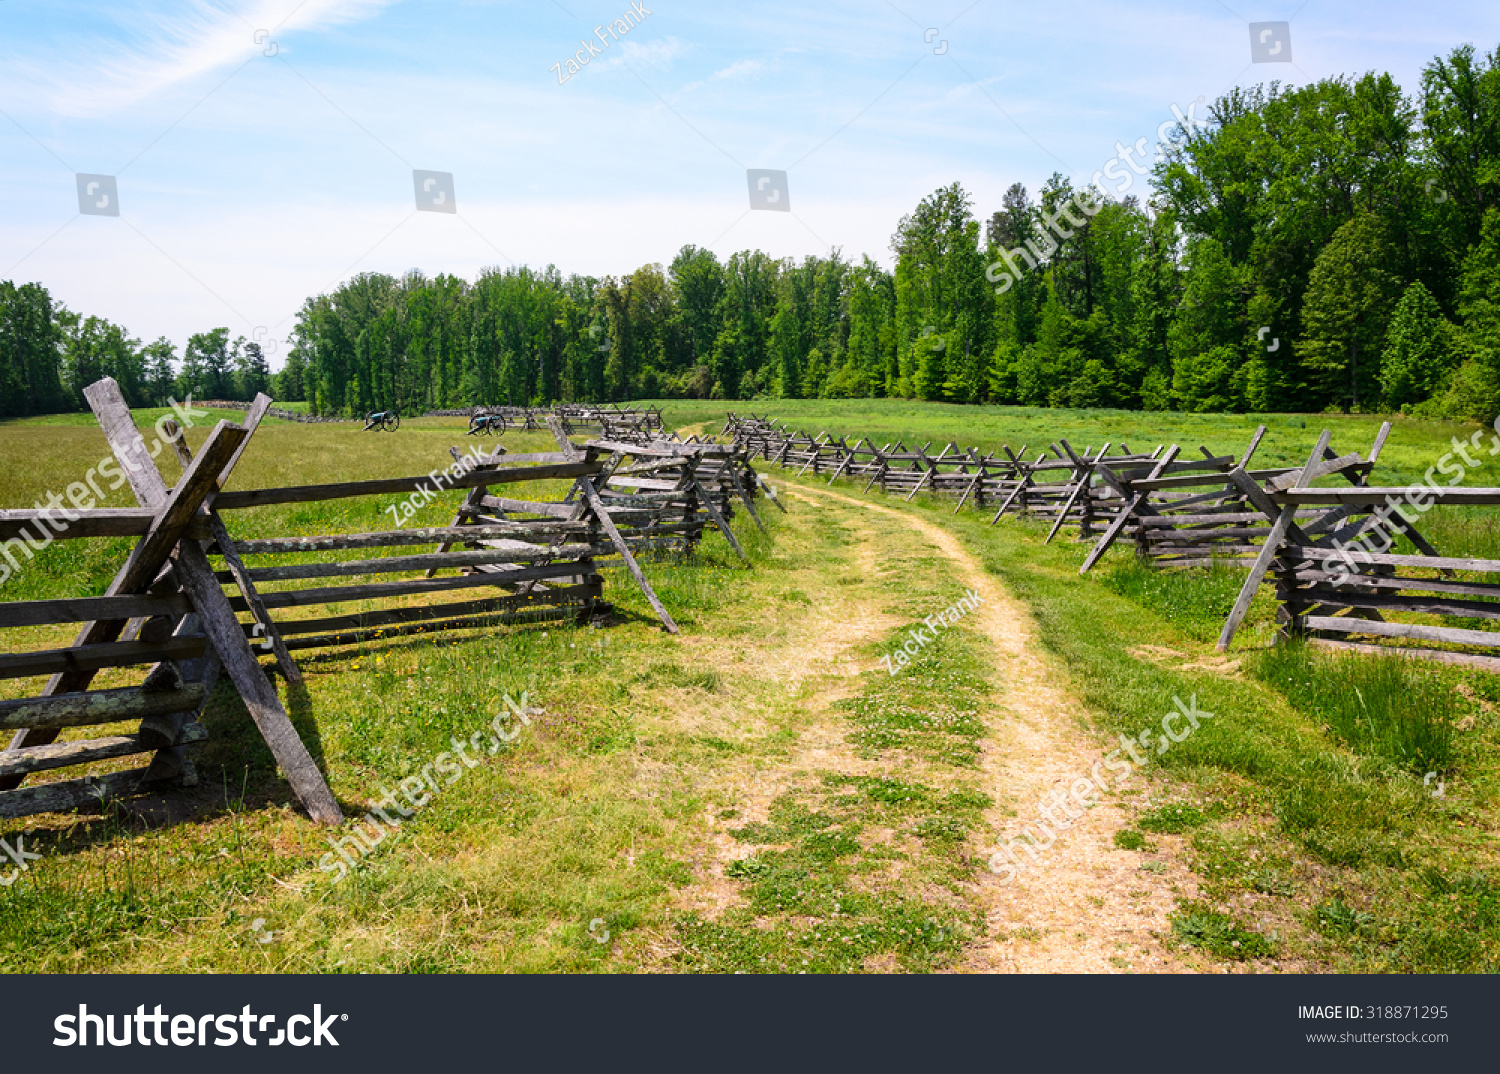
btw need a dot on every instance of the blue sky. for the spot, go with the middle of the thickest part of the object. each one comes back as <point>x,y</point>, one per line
<point>249,181</point>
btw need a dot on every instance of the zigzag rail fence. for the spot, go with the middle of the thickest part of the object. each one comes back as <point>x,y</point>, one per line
<point>610,420</point>
<point>171,611</point>
<point>1194,512</point>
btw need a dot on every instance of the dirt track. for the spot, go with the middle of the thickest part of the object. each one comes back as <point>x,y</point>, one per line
<point>1087,907</point>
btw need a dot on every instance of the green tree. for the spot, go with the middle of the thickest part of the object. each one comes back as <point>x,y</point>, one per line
<point>1204,337</point>
<point>30,374</point>
<point>940,278</point>
<point>290,384</point>
<point>209,359</point>
<point>1350,295</point>
<point>161,378</point>
<point>252,371</point>
<point>1417,357</point>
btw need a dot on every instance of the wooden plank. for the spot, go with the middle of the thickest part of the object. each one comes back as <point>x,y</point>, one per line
<point>1376,495</point>
<point>534,507</point>
<point>91,707</point>
<point>1404,630</point>
<point>432,561</point>
<point>1195,534</point>
<point>1133,504</point>
<point>1421,585</point>
<point>387,617</point>
<point>1434,562</point>
<point>1081,483</point>
<point>228,639</point>
<point>1255,440</point>
<point>95,657</point>
<point>86,609</point>
<point>88,751</point>
<point>1183,481</point>
<point>183,501</point>
<point>1171,521</point>
<point>1284,526</point>
<point>225,544</point>
<point>661,448</point>
<point>1253,580</point>
<point>1351,596</point>
<point>739,487</point>
<point>1442,656</point>
<point>630,564</point>
<point>400,538</point>
<point>303,598</point>
<point>650,484</point>
<point>224,632</point>
<point>111,522</point>
<point>175,511</point>
<point>253,416</point>
<point>90,791</point>
<point>234,501</point>
<point>713,511</point>
<point>540,612</point>
<point>1347,464</point>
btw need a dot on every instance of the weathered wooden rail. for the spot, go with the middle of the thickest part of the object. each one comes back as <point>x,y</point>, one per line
<point>175,612</point>
<point>1194,512</point>
<point>166,609</point>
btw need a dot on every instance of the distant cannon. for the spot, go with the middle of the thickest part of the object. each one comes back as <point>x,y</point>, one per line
<point>486,425</point>
<point>387,421</point>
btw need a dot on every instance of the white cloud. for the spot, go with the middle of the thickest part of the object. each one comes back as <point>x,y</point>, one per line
<point>168,48</point>
<point>727,74</point>
<point>655,55</point>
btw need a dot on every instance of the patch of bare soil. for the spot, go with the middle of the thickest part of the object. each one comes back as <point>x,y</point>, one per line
<point>1163,656</point>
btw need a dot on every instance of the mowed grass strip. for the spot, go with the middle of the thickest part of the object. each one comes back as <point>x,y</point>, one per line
<point>863,863</point>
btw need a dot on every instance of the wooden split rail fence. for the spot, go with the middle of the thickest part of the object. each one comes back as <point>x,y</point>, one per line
<point>172,611</point>
<point>1056,485</point>
<point>1193,512</point>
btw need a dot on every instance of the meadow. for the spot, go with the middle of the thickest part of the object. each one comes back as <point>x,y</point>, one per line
<point>758,794</point>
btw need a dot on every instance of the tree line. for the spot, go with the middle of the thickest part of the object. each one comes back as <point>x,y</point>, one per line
<point>1330,246</point>
<point>49,354</point>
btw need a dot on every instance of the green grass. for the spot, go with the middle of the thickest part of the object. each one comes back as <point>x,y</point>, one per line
<point>1300,806</point>
<point>1414,445</point>
<point>1307,785</point>
<point>1388,707</point>
<point>1195,601</point>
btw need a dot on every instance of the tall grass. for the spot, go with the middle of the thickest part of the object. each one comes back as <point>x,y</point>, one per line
<point>1385,706</point>
<point>1468,532</point>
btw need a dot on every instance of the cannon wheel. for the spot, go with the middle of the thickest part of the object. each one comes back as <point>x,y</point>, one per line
<point>392,423</point>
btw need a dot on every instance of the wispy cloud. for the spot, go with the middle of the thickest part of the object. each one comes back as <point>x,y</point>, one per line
<point>742,69</point>
<point>652,55</point>
<point>155,48</point>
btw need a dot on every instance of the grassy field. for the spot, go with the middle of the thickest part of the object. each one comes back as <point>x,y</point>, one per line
<point>758,794</point>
